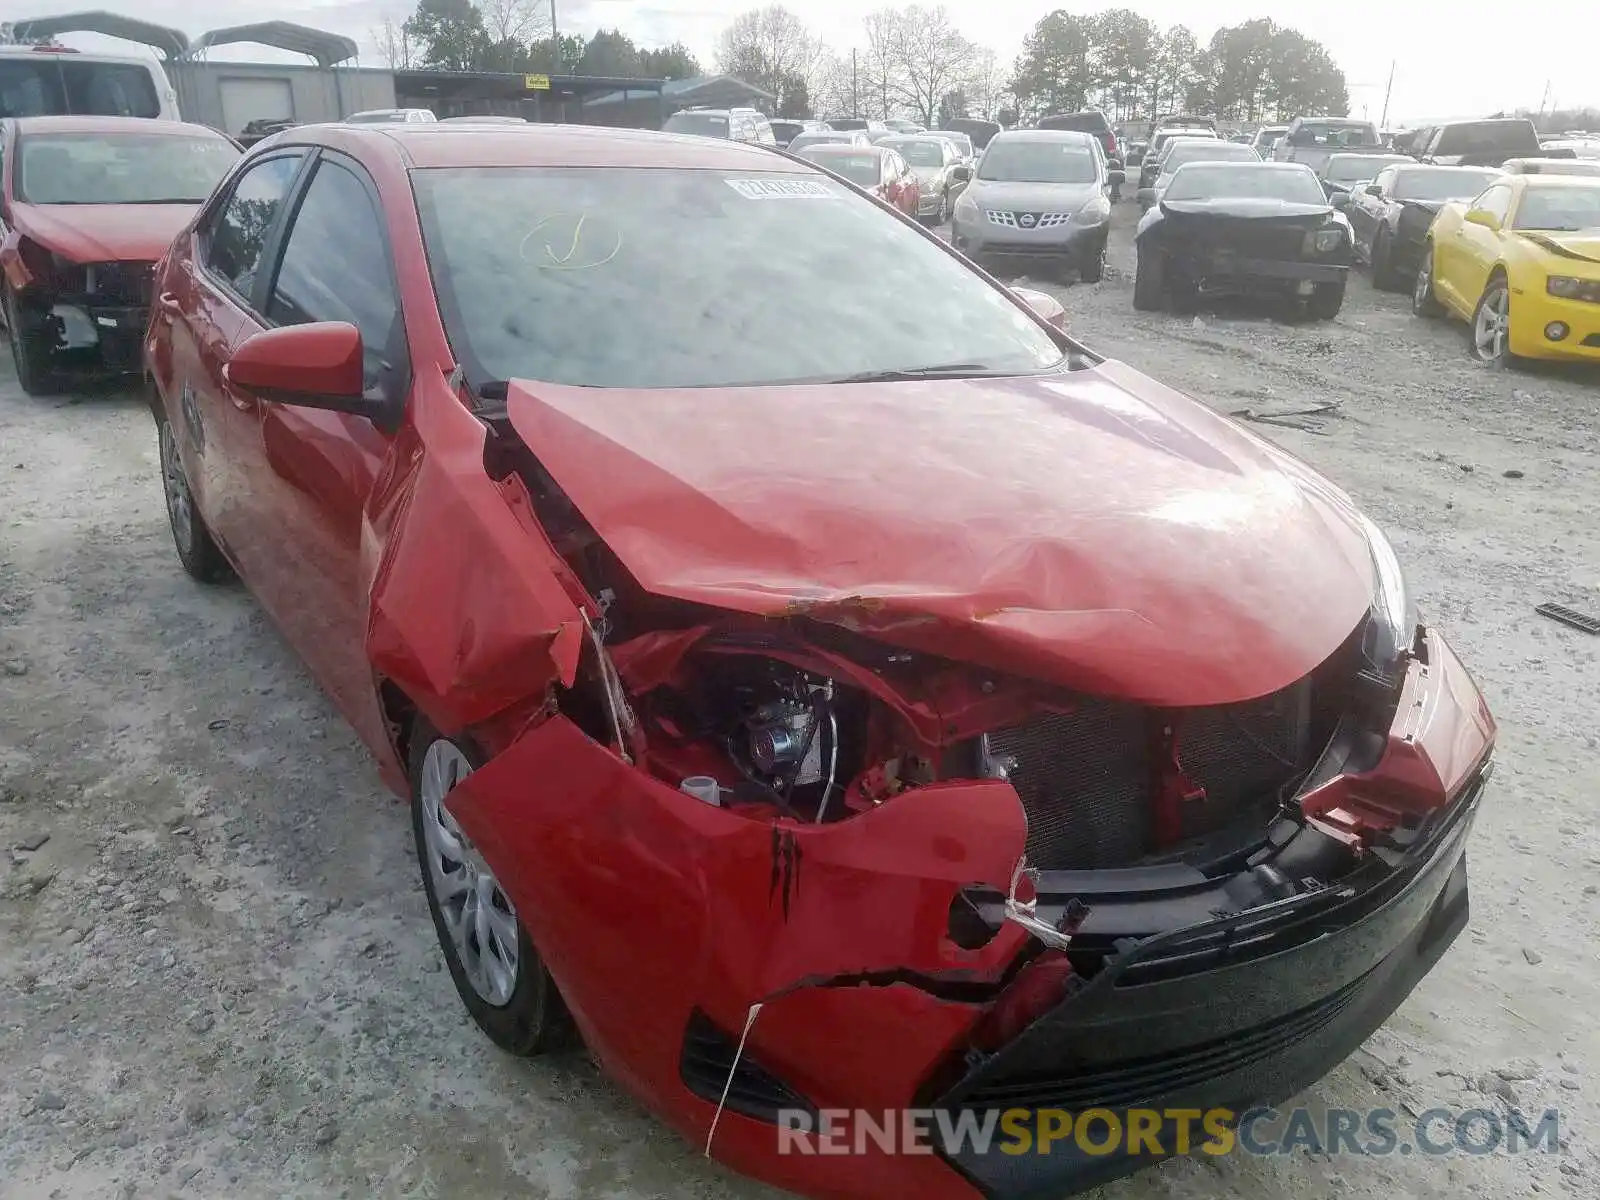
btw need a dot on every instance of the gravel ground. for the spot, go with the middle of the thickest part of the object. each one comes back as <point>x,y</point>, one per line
<point>217,974</point>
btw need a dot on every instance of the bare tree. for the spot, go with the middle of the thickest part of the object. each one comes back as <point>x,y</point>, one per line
<point>771,48</point>
<point>395,45</point>
<point>923,56</point>
<point>985,84</point>
<point>880,66</point>
<point>521,21</point>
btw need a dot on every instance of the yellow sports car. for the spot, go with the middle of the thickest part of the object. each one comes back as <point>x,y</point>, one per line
<point>1521,264</point>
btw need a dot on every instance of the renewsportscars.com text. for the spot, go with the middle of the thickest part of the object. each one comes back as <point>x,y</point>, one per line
<point>1160,1132</point>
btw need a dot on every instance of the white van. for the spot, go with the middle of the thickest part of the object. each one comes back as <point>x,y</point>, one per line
<point>54,81</point>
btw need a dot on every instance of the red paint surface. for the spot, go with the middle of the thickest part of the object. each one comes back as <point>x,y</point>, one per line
<point>323,359</point>
<point>1093,529</point>
<point>88,233</point>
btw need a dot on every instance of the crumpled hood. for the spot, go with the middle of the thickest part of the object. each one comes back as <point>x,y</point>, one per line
<point>1095,528</point>
<point>89,233</point>
<point>1584,247</point>
<point>1245,206</point>
<point>1032,197</point>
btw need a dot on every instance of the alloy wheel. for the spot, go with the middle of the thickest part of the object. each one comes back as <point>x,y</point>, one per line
<point>180,504</point>
<point>1491,327</point>
<point>1424,287</point>
<point>479,917</point>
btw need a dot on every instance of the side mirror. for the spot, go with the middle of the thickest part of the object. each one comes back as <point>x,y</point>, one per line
<point>1374,189</point>
<point>961,173</point>
<point>1116,178</point>
<point>1341,200</point>
<point>1488,220</point>
<point>320,365</point>
<point>1047,308</point>
<point>1146,196</point>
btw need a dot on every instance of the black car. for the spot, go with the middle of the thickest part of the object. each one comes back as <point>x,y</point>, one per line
<point>1091,121</point>
<point>1243,227</point>
<point>980,131</point>
<point>1480,143</point>
<point>1390,216</point>
<point>1342,172</point>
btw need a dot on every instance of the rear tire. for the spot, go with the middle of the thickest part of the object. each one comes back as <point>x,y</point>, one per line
<point>1384,276</point>
<point>1149,281</point>
<point>1424,302</point>
<point>31,359</point>
<point>197,549</point>
<point>524,1014</point>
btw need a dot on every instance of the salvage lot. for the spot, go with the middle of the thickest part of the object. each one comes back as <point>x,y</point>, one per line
<point>217,975</point>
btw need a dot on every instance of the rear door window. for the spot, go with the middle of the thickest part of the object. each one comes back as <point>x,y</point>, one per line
<point>62,85</point>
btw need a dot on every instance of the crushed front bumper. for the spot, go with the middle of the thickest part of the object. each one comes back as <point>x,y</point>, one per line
<point>814,967</point>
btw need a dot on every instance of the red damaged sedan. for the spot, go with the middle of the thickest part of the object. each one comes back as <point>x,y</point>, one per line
<point>876,170</point>
<point>926,713</point>
<point>87,207</point>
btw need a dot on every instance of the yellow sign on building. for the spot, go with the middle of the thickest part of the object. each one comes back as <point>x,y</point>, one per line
<point>536,83</point>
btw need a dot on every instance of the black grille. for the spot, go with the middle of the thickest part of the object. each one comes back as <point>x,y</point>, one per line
<point>708,1054</point>
<point>121,282</point>
<point>1133,1081</point>
<point>1084,779</point>
<point>1087,779</point>
<point>1592,340</point>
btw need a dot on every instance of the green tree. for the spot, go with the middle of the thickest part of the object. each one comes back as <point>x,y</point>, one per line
<point>543,61</point>
<point>1172,71</point>
<point>1126,49</point>
<point>669,62</point>
<point>1055,71</point>
<point>952,105</point>
<point>610,52</point>
<point>795,99</point>
<point>451,34</point>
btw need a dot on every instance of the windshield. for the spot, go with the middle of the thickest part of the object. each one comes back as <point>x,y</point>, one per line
<point>56,85</point>
<point>1350,168</point>
<point>1038,162</point>
<point>558,274</point>
<point>1441,185</point>
<point>1208,152</point>
<point>704,123</point>
<point>861,169</point>
<point>920,152</point>
<point>1559,209</point>
<point>120,168</point>
<point>1202,181</point>
<point>1320,133</point>
<point>961,141</point>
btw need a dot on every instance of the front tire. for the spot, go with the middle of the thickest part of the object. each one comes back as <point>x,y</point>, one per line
<point>31,358</point>
<point>1424,301</point>
<point>1093,268</point>
<point>502,981</point>
<point>1326,301</point>
<point>1149,281</point>
<point>197,549</point>
<point>1489,336</point>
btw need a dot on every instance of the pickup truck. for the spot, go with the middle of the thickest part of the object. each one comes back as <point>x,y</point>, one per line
<point>1313,140</point>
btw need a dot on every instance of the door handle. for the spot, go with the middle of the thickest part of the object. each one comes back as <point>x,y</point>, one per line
<point>167,305</point>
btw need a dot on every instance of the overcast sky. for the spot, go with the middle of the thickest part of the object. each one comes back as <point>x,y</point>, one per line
<point>1454,58</point>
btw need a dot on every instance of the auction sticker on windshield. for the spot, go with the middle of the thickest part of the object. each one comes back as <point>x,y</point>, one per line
<point>782,189</point>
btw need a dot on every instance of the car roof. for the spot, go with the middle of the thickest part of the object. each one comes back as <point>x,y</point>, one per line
<point>1244,164</point>
<point>86,124</point>
<point>1541,181</point>
<point>1044,135</point>
<point>536,145</point>
<point>852,148</point>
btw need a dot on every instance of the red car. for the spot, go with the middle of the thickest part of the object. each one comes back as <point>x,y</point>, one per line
<point>876,170</point>
<point>87,206</point>
<point>923,714</point>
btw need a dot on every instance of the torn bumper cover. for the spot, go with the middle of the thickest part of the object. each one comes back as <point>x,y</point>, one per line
<point>726,969</point>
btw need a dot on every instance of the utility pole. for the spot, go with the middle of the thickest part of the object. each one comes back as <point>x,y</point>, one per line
<point>1383,122</point>
<point>1545,99</point>
<point>555,41</point>
<point>855,92</point>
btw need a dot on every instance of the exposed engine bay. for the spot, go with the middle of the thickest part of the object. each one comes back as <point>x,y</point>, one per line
<point>1170,815</point>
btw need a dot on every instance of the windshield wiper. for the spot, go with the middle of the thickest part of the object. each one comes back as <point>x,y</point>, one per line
<point>941,371</point>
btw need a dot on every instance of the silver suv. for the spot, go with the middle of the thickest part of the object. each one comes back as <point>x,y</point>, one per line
<point>735,124</point>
